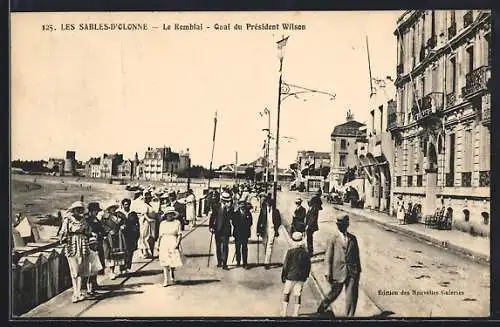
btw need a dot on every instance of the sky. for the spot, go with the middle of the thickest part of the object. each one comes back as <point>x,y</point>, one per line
<point>98,92</point>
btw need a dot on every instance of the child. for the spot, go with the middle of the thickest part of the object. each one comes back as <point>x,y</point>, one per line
<point>296,269</point>
<point>94,266</point>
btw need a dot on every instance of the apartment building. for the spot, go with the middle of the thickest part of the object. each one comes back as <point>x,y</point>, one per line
<point>441,124</point>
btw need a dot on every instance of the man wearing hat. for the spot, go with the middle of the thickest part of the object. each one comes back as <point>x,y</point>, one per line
<point>131,230</point>
<point>220,225</point>
<point>296,270</point>
<point>315,205</point>
<point>342,267</point>
<point>299,217</point>
<point>267,226</point>
<point>242,222</point>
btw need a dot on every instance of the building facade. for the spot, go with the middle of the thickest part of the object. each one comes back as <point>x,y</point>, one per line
<point>313,159</point>
<point>376,155</point>
<point>441,125</point>
<point>109,165</point>
<point>344,148</point>
<point>162,163</point>
<point>124,169</point>
<point>93,168</point>
<point>70,163</point>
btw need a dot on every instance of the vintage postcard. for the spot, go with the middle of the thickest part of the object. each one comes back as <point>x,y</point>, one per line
<point>318,165</point>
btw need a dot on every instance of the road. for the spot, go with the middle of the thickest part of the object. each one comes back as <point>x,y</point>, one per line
<point>392,263</point>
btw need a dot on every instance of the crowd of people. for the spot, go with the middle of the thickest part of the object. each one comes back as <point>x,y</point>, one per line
<point>102,240</point>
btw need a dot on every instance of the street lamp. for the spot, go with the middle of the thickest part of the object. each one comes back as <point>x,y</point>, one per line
<point>287,90</point>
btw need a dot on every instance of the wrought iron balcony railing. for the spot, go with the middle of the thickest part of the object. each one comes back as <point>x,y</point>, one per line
<point>432,42</point>
<point>466,179</point>
<point>484,178</point>
<point>451,99</point>
<point>476,81</point>
<point>468,18</point>
<point>452,30</point>
<point>430,105</point>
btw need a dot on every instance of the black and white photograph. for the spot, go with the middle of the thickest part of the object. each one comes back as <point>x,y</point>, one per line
<point>314,165</point>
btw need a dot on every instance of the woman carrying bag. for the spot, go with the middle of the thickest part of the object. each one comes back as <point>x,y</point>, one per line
<point>115,246</point>
<point>169,241</point>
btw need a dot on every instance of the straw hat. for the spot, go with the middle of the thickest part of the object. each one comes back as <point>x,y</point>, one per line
<point>226,196</point>
<point>111,204</point>
<point>343,220</point>
<point>76,205</point>
<point>298,200</point>
<point>170,212</point>
<point>297,236</point>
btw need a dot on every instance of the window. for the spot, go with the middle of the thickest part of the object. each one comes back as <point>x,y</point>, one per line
<point>419,180</point>
<point>452,16</point>
<point>466,215</point>
<point>453,75</point>
<point>398,180</point>
<point>466,179</point>
<point>410,181</point>
<point>467,151</point>
<point>343,144</point>
<point>433,24</point>
<point>486,218</point>
<point>452,153</point>
<point>423,86</point>
<point>342,160</point>
<point>487,44</point>
<point>435,79</point>
<point>470,59</point>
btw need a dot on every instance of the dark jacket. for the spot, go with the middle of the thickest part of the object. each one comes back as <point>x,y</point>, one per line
<point>342,259</point>
<point>96,227</point>
<point>242,221</point>
<point>181,209</point>
<point>297,265</point>
<point>220,220</point>
<point>263,220</point>
<point>299,220</point>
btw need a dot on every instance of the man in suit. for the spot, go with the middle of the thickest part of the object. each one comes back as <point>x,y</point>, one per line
<point>179,207</point>
<point>342,267</point>
<point>299,217</point>
<point>220,225</point>
<point>315,205</point>
<point>242,222</point>
<point>267,226</point>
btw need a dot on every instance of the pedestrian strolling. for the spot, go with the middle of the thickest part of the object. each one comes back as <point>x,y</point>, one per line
<point>342,267</point>
<point>169,240</point>
<point>315,205</point>
<point>296,270</point>
<point>147,221</point>
<point>401,213</point>
<point>220,225</point>
<point>115,246</point>
<point>267,227</point>
<point>191,209</point>
<point>98,231</point>
<point>242,222</point>
<point>131,231</point>
<point>179,207</point>
<point>75,233</point>
<point>94,266</point>
<point>299,217</point>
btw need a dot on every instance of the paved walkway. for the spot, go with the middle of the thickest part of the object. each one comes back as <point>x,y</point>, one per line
<point>473,246</point>
<point>201,291</point>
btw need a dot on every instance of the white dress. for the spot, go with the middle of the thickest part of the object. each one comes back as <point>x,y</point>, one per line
<point>190,207</point>
<point>169,256</point>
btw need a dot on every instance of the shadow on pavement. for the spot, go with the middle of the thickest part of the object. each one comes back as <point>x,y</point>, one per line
<point>198,255</point>
<point>116,294</point>
<point>135,285</point>
<point>190,282</point>
<point>255,241</point>
<point>318,254</point>
<point>141,273</point>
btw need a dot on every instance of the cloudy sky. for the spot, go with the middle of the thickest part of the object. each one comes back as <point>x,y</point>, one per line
<point>96,92</point>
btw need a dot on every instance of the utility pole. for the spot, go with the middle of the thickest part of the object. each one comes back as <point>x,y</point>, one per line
<point>281,44</point>
<point>213,147</point>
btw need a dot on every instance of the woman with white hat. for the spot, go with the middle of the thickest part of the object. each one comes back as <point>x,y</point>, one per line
<point>115,246</point>
<point>75,233</point>
<point>169,241</point>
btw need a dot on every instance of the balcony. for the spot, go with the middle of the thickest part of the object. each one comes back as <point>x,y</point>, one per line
<point>430,105</point>
<point>452,30</point>
<point>451,99</point>
<point>393,121</point>
<point>400,69</point>
<point>476,81</point>
<point>432,42</point>
<point>468,18</point>
<point>486,109</point>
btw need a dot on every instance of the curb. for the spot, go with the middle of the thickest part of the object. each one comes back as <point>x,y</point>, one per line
<point>472,255</point>
<point>316,283</point>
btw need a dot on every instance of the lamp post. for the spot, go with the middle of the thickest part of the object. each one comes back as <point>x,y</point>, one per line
<point>286,90</point>
<point>268,140</point>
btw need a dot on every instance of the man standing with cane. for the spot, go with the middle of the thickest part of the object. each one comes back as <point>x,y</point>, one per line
<point>267,227</point>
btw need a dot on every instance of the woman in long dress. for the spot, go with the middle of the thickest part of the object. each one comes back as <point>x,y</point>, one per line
<point>115,245</point>
<point>169,241</point>
<point>75,233</point>
<point>401,213</point>
<point>191,209</point>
